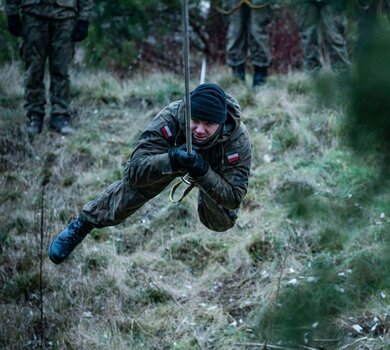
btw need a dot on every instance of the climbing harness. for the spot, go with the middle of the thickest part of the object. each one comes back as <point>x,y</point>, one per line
<point>235,8</point>
<point>184,179</point>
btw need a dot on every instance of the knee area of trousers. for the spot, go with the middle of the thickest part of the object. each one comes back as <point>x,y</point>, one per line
<point>221,224</point>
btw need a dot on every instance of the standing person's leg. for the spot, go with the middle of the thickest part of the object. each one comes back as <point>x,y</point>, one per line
<point>35,34</point>
<point>213,216</point>
<point>237,42</point>
<point>335,24</point>
<point>60,56</point>
<point>259,43</point>
<point>309,24</point>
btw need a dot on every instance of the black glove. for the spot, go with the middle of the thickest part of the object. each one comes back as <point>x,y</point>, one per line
<point>80,31</point>
<point>14,25</point>
<point>193,163</point>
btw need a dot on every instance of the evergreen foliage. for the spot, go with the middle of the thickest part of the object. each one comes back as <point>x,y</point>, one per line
<point>369,123</point>
<point>126,35</point>
<point>8,44</point>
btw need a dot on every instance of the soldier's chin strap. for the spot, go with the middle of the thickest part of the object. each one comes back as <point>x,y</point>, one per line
<point>241,2</point>
<point>186,180</point>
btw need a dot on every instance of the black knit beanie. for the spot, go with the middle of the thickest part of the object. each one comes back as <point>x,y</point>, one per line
<point>208,102</point>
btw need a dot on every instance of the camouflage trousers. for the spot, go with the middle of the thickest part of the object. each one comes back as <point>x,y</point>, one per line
<point>121,199</point>
<point>247,30</point>
<point>323,22</point>
<point>46,39</point>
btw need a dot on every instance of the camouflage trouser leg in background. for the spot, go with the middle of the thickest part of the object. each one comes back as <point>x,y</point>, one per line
<point>60,56</point>
<point>314,17</point>
<point>34,53</point>
<point>259,45</point>
<point>47,39</point>
<point>121,199</point>
<point>334,26</point>
<point>309,24</point>
<point>237,37</point>
<point>248,29</point>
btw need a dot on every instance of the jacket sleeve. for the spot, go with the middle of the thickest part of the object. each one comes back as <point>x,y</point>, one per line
<point>149,163</point>
<point>11,7</point>
<point>84,8</point>
<point>227,184</point>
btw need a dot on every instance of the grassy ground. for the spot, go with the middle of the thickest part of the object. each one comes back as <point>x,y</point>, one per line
<point>306,267</point>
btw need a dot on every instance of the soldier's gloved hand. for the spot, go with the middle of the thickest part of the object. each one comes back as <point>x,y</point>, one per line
<point>14,25</point>
<point>80,31</point>
<point>193,163</point>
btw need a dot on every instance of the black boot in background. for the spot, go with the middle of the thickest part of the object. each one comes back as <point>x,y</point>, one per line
<point>34,124</point>
<point>259,76</point>
<point>61,124</point>
<point>239,72</point>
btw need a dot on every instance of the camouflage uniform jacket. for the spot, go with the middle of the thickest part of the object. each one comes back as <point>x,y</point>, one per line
<point>59,9</point>
<point>229,156</point>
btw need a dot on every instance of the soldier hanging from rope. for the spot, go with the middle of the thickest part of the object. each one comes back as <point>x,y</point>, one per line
<point>219,168</point>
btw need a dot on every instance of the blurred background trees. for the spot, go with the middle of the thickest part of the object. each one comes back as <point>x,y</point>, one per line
<point>141,35</point>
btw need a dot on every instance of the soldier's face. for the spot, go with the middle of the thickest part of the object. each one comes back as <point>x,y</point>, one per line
<point>202,129</point>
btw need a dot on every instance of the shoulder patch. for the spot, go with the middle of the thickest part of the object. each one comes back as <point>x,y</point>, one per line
<point>233,157</point>
<point>167,132</point>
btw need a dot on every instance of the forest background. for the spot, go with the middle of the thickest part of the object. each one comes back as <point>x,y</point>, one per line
<point>130,36</point>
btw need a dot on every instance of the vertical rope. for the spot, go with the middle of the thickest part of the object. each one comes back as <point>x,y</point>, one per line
<point>186,60</point>
<point>203,70</point>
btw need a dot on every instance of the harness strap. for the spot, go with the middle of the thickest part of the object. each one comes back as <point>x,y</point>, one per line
<point>182,180</point>
<point>235,8</point>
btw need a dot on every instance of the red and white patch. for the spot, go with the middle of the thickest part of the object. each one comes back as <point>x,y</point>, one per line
<point>166,131</point>
<point>233,157</point>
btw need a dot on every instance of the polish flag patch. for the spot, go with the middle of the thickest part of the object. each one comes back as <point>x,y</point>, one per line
<point>233,157</point>
<point>166,131</point>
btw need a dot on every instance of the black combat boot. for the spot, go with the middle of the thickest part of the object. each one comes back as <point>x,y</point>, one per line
<point>239,71</point>
<point>259,75</point>
<point>67,240</point>
<point>61,124</point>
<point>34,124</point>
